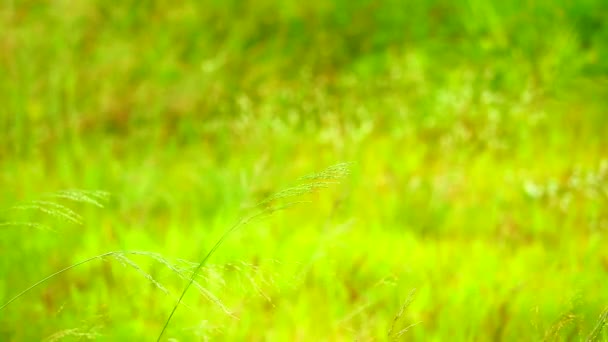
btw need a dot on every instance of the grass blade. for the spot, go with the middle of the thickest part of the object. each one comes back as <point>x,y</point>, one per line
<point>597,331</point>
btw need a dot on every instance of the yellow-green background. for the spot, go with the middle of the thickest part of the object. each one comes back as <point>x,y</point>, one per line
<point>478,133</point>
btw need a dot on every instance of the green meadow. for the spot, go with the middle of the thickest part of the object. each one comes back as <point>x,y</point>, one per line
<point>375,170</point>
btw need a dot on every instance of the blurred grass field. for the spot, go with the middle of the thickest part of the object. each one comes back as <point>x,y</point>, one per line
<point>477,132</point>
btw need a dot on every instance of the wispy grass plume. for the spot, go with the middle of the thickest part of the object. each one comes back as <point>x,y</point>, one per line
<point>25,224</point>
<point>554,331</point>
<point>90,333</point>
<point>51,206</point>
<point>308,184</point>
<point>94,197</point>
<point>397,327</point>
<point>53,209</point>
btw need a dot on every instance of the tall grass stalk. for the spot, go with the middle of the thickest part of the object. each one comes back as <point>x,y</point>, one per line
<point>395,332</point>
<point>271,204</point>
<point>123,258</point>
<point>596,333</point>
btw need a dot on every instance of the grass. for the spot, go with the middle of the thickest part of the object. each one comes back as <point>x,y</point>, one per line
<point>479,175</point>
<point>279,201</point>
<point>268,206</point>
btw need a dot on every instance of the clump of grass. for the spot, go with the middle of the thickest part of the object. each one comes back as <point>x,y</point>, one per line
<point>191,271</point>
<point>280,200</point>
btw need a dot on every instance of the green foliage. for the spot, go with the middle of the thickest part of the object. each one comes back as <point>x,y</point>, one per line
<point>477,132</point>
<point>267,207</point>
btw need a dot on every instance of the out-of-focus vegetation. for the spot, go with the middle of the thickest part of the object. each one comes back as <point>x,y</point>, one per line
<point>478,133</point>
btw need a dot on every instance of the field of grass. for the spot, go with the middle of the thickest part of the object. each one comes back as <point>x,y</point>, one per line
<point>475,206</point>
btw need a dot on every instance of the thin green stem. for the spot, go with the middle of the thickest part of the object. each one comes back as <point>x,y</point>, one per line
<point>53,275</point>
<point>202,263</point>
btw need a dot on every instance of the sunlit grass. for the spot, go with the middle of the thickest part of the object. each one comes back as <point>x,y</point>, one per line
<point>477,132</point>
